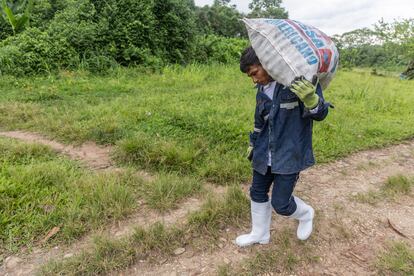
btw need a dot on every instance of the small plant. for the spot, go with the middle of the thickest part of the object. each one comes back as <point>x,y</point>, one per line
<point>17,13</point>
<point>393,186</point>
<point>398,184</point>
<point>397,259</point>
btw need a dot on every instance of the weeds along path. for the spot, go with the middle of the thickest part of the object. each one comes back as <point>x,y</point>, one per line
<point>91,155</point>
<point>348,236</point>
<point>95,158</point>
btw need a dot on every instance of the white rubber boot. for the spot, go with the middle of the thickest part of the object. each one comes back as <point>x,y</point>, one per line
<point>304,213</point>
<point>261,217</point>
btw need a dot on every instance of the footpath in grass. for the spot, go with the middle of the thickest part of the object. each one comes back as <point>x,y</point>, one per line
<point>42,193</point>
<point>196,120</point>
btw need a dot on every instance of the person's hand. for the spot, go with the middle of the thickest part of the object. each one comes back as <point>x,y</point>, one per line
<point>249,153</point>
<point>306,91</point>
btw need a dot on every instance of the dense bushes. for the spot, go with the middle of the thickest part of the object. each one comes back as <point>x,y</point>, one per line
<point>34,51</point>
<point>214,48</point>
<point>97,35</point>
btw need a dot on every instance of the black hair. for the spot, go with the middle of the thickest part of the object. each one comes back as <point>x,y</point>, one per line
<point>248,58</point>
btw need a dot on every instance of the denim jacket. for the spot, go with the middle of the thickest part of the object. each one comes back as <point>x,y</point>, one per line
<point>283,126</point>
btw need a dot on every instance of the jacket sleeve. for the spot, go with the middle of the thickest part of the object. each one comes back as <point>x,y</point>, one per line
<point>320,112</point>
<point>258,120</point>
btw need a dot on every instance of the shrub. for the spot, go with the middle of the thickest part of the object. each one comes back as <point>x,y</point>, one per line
<point>214,48</point>
<point>33,51</point>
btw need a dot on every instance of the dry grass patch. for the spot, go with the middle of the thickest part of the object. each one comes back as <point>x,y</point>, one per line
<point>393,187</point>
<point>396,259</point>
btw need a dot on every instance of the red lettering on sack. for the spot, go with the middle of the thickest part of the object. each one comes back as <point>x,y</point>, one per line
<point>326,55</point>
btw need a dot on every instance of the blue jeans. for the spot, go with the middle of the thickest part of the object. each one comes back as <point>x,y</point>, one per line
<point>282,200</point>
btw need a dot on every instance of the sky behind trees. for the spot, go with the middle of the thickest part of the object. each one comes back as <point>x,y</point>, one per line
<point>338,16</point>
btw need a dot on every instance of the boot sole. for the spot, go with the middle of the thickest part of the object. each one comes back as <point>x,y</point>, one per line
<point>256,242</point>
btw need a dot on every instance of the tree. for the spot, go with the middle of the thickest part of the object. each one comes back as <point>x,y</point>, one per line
<point>397,37</point>
<point>267,9</point>
<point>364,36</point>
<point>387,44</point>
<point>17,13</point>
<point>221,19</point>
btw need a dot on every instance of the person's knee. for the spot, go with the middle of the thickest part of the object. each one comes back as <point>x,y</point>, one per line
<point>258,196</point>
<point>283,208</point>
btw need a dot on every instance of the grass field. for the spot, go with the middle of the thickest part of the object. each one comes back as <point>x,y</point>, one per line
<point>187,126</point>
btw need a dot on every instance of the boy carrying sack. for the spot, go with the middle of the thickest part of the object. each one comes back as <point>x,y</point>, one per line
<point>280,147</point>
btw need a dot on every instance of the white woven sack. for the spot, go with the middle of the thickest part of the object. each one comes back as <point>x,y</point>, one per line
<point>289,49</point>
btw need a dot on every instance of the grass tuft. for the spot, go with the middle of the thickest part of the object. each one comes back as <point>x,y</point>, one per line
<point>167,190</point>
<point>393,186</point>
<point>397,259</point>
<point>398,184</point>
<point>216,213</point>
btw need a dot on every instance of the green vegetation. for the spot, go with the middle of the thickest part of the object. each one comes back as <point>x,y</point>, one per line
<point>96,35</point>
<point>397,259</point>
<point>17,14</point>
<point>167,190</point>
<point>386,45</point>
<point>394,186</point>
<point>157,241</point>
<point>40,191</point>
<point>399,184</point>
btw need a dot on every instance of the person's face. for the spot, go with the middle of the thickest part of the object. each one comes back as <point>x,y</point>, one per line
<point>258,74</point>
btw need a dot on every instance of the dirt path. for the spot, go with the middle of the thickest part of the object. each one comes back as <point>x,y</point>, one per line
<point>347,236</point>
<point>93,156</point>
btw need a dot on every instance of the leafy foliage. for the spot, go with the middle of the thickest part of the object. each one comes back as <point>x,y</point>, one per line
<point>219,49</point>
<point>34,51</point>
<point>386,45</point>
<point>267,9</point>
<point>220,19</point>
<point>17,13</point>
<point>100,35</point>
